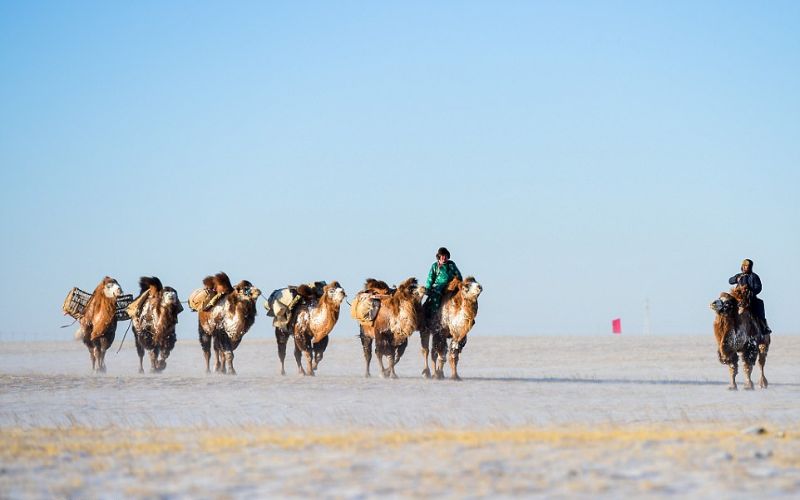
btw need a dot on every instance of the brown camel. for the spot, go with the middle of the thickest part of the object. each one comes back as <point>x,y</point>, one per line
<point>737,330</point>
<point>98,323</point>
<point>452,321</point>
<point>154,315</point>
<point>398,316</point>
<point>312,320</point>
<point>224,317</point>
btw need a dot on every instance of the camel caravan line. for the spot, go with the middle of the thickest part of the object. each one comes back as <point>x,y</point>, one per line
<point>387,317</point>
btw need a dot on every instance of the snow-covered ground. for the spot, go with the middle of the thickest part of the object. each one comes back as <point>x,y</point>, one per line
<point>533,415</point>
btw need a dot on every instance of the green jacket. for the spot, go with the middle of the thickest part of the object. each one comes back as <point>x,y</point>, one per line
<point>439,277</point>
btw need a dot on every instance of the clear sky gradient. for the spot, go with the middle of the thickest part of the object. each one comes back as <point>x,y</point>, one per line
<point>578,158</point>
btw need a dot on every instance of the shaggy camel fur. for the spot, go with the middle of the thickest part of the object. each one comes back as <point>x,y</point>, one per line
<point>98,325</point>
<point>312,320</point>
<point>398,317</point>
<point>225,319</point>
<point>737,330</point>
<point>452,321</point>
<point>154,315</point>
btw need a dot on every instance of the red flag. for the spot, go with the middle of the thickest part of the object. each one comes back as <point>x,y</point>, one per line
<point>616,326</point>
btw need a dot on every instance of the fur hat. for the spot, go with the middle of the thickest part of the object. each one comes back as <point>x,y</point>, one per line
<point>443,252</point>
<point>746,262</point>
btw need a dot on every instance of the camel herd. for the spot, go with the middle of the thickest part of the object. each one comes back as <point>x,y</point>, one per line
<point>387,317</point>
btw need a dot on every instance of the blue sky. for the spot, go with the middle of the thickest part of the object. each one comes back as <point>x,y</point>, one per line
<point>578,158</point>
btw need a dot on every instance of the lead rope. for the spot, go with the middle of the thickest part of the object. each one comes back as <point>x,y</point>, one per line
<point>123,337</point>
<point>67,326</point>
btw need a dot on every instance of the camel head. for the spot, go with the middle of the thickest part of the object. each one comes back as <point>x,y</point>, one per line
<point>246,290</point>
<point>470,288</point>
<point>725,304</point>
<point>169,296</point>
<point>334,292</point>
<point>109,287</point>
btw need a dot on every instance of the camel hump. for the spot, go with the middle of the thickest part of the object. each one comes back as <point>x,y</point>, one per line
<point>148,282</point>
<point>454,284</point>
<point>377,286</point>
<point>306,292</point>
<point>222,283</point>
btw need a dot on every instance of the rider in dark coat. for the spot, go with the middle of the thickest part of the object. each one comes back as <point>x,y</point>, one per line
<point>753,283</point>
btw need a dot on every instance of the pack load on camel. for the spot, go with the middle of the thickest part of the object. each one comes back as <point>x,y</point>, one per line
<point>281,302</point>
<point>205,298</point>
<point>387,317</point>
<point>77,299</point>
<point>97,314</point>
<point>225,313</point>
<point>367,302</point>
<point>307,313</point>
<point>154,315</point>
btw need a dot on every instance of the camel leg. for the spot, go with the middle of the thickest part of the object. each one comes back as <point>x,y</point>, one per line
<point>379,353</point>
<point>139,351</point>
<point>162,363</point>
<point>319,351</point>
<point>749,357</point>
<point>366,346</point>
<point>391,372</point>
<point>93,358</point>
<point>748,381</point>
<point>219,360</point>
<point>309,357</point>
<point>455,353</point>
<point>298,357</point>
<point>154,361</point>
<point>440,353</point>
<point>205,344</point>
<point>454,365</point>
<point>762,359</point>
<point>424,338</point>
<point>229,362</point>
<point>733,368</point>
<point>399,350</point>
<point>282,338</point>
<point>101,357</point>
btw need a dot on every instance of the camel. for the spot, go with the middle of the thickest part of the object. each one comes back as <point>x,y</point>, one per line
<point>98,322</point>
<point>736,331</point>
<point>224,317</point>
<point>453,320</point>
<point>397,317</point>
<point>154,315</point>
<point>311,321</point>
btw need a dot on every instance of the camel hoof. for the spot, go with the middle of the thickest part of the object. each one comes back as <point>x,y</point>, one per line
<point>748,387</point>
<point>733,388</point>
<point>283,372</point>
<point>455,378</point>
<point>763,383</point>
<point>141,371</point>
<point>394,376</point>
<point>426,373</point>
<point>367,375</point>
